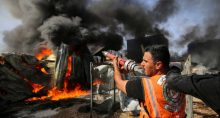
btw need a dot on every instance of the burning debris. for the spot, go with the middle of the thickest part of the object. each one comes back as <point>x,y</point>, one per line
<point>19,83</point>
<point>69,39</point>
<point>36,78</point>
<point>68,80</point>
<point>21,77</point>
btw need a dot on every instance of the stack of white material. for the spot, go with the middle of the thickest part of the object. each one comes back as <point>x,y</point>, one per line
<point>106,73</point>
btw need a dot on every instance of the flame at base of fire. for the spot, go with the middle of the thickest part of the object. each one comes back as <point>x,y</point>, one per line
<point>55,94</point>
<point>36,87</point>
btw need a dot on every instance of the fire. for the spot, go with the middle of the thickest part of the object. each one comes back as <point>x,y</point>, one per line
<point>36,87</point>
<point>68,72</point>
<point>42,69</point>
<point>55,94</point>
<point>43,52</point>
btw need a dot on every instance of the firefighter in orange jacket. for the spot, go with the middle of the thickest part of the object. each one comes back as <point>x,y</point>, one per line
<point>156,100</point>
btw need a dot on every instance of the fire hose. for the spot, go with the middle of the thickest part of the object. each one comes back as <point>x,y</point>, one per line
<point>129,65</point>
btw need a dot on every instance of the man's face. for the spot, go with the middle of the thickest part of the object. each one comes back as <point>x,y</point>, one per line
<point>148,64</point>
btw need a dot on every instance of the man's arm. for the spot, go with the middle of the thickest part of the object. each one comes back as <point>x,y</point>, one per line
<point>132,88</point>
<point>120,83</point>
<point>205,87</point>
<point>180,83</point>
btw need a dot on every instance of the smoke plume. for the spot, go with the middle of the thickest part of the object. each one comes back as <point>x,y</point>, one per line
<point>59,29</point>
<point>195,23</point>
<point>71,21</point>
<point>197,19</point>
<point>53,20</point>
<point>201,49</point>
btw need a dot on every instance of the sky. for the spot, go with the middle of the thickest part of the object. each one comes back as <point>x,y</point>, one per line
<point>7,23</point>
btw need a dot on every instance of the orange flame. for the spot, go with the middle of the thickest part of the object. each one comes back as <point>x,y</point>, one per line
<point>36,87</point>
<point>43,52</point>
<point>68,72</point>
<point>42,69</point>
<point>55,94</point>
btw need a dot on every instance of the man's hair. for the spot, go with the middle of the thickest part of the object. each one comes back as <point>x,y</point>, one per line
<point>160,53</point>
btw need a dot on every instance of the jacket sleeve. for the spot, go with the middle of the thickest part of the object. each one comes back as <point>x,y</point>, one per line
<point>180,83</point>
<point>195,85</point>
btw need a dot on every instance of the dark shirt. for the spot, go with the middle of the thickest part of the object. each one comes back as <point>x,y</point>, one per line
<point>204,87</point>
<point>134,89</point>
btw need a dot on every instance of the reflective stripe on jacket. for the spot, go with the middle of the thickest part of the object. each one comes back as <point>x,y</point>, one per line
<point>160,101</point>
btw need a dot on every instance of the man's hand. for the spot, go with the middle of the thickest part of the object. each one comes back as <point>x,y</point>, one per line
<point>115,62</point>
<point>120,83</point>
<point>116,65</point>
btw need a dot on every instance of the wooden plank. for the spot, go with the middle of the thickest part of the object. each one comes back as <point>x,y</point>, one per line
<point>189,104</point>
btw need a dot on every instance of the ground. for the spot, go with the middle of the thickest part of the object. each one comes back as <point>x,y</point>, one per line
<point>80,108</point>
<point>200,110</point>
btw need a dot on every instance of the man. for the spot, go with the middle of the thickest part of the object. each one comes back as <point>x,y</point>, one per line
<point>155,98</point>
<point>204,87</point>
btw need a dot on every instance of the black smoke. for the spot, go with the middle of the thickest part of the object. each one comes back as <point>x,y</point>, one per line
<point>192,20</point>
<point>206,52</point>
<point>59,29</point>
<point>59,21</point>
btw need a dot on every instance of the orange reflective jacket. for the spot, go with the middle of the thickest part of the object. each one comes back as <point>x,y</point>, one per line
<point>160,101</point>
